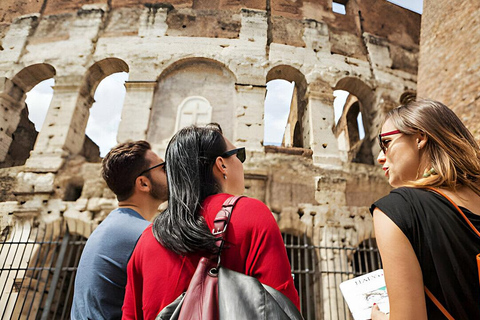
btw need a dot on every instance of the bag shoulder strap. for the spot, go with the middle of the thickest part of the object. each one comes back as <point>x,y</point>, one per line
<point>458,209</point>
<point>221,222</point>
<point>438,304</point>
<point>428,292</point>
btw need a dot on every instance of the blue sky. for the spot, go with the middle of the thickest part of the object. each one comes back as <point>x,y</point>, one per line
<point>105,113</point>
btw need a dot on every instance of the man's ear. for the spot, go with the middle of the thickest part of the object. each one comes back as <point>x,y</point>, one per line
<point>142,183</point>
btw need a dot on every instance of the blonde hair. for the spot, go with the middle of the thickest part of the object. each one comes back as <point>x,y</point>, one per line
<point>451,148</point>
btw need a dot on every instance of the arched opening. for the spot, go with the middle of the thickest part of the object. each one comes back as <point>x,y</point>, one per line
<point>29,94</point>
<point>101,100</point>
<point>105,113</point>
<point>205,87</point>
<point>353,111</point>
<point>349,127</point>
<point>295,134</point>
<point>278,102</point>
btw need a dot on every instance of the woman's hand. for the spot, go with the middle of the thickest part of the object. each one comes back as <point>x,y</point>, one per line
<point>377,314</point>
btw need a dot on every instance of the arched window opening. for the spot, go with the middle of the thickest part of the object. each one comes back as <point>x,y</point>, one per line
<point>193,111</point>
<point>302,261</point>
<point>353,129</point>
<point>32,116</point>
<point>105,115</point>
<point>278,105</point>
<point>289,85</point>
<point>349,127</point>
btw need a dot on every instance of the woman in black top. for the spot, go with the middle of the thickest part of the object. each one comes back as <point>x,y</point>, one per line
<point>423,239</point>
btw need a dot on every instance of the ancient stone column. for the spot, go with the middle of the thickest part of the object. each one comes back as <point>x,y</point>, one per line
<point>63,131</point>
<point>249,116</point>
<point>317,124</point>
<point>136,110</point>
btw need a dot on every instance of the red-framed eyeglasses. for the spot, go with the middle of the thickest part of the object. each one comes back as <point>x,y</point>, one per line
<point>382,143</point>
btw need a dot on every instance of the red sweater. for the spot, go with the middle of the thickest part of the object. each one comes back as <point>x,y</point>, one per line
<point>157,276</point>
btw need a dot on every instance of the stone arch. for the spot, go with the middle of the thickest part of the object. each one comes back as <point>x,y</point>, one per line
<point>297,132</point>
<point>360,101</point>
<point>94,75</point>
<point>99,71</point>
<point>12,109</point>
<point>193,77</point>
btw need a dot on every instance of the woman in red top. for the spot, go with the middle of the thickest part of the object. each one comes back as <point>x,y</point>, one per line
<point>203,170</point>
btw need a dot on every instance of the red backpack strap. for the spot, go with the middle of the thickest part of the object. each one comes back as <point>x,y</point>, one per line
<point>221,221</point>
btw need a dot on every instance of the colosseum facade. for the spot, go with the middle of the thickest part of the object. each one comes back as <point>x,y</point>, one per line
<point>216,55</point>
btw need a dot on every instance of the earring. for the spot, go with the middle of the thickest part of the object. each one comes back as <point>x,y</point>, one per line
<point>428,172</point>
<point>225,176</point>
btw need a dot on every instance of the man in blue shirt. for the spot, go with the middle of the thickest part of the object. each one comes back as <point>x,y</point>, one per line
<point>136,175</point>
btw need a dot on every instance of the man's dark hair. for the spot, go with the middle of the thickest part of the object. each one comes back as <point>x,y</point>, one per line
<point>121,166</point>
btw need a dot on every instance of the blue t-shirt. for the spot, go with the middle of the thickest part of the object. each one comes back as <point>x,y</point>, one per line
<point>102,272</point>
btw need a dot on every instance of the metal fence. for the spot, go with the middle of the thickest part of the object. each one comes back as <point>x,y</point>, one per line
<point>319,269</point>
<point>38,266</point>
<point>37,271</point>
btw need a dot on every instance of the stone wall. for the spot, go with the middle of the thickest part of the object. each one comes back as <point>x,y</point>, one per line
<point>449,61</point>
<point>189,61</point>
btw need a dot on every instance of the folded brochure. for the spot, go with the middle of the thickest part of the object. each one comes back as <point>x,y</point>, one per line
<point>362,292</point>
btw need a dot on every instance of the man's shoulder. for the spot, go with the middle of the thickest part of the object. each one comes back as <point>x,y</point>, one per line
<point>119,227</point>
<point>125,219</point>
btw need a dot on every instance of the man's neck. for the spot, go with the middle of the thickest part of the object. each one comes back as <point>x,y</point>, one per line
<point>146,210</point>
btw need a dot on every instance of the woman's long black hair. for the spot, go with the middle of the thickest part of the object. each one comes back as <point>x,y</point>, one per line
<point>190,157</point>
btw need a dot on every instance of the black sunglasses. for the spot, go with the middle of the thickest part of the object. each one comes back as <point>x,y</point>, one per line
<point>240,152</point>
<point>151,168</point>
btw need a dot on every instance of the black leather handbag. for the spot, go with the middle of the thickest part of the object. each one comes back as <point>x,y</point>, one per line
<point>218,293</point>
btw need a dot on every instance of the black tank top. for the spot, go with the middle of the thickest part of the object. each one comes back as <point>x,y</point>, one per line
<point>445,245</point>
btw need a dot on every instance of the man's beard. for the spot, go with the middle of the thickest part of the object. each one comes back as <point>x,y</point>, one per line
<point>158,191</point>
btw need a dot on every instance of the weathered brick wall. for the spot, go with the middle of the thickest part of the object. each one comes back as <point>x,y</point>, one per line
<point>449,67</point>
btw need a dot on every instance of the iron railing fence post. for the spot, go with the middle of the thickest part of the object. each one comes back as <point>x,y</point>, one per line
<point>56,275</point>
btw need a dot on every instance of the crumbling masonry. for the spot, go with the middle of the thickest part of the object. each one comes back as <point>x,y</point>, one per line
<point>215,56</point>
